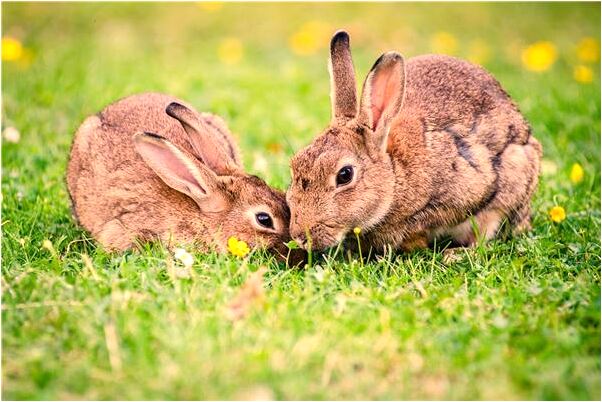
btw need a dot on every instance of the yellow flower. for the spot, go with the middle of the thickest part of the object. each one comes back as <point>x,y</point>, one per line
<point>238,247</point>
<point>588,50</point>
<point>539,56</point>
<point>357,230</point>
<point>557,214</point>
<point>478,52</point>
<point>444,42</point>
<point>210,5</point>
<point>577,173</point>
<point>12,49</point>
<point>230,51</point>
<point>583,74</point>
<point>311,37</point>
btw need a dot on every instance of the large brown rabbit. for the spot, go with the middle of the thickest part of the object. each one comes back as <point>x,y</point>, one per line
<point>436,148</point>
<point>148,167</point>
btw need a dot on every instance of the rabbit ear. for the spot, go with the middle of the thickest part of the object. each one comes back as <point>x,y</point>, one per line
<point>203,140</point>
<point>383,94</point>
<point>342,78</point>
<point>178,170</point>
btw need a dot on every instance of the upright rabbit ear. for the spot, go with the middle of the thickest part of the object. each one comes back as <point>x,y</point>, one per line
<point>343,93</point>
<point>382,95</point>
<point>203,140</point>
<point>179,171</point>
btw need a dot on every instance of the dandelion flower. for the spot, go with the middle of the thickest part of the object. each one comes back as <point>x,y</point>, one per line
<point>444,42</point>
<point>539,56</point>
<point>557,214</point>
<point>184,257</point>
<point>588,50</point>
<point>210,5</point>
<point>238,247</point>
<point>12,49</point>
<point>583,74</point>
<point>274,147</point>
<point>357,230</point>
<point>577,173</point>
<point>230,51</point>
<point>11,134</point>
<point>311,37</point>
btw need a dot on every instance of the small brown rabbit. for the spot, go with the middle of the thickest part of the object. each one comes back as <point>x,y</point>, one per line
<point>148,167</point>
<point>436,148</point>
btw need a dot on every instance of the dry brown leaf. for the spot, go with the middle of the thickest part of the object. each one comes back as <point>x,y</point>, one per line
<point>251,293</point>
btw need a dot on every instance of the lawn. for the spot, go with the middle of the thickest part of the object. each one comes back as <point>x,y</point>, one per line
<point>515,319</point>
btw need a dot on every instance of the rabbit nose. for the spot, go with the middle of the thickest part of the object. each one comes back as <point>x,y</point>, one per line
<point>299,237</point>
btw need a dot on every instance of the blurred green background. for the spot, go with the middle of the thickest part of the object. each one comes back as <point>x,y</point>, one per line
<point>511,320</point>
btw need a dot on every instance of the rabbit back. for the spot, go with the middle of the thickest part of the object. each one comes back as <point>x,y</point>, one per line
<point>115,195</point>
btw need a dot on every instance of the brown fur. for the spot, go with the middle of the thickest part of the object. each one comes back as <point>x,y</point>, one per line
<point>120,199</point>
<point>456,147</point>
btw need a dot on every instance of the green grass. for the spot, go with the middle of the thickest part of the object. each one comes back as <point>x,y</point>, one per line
<point>514,319</point>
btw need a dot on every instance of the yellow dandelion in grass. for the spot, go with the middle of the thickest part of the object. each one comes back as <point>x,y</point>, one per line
<point>539,56</point>
<point>557,214</point>
<point>478,51</point>
<point>230,51</point>
<point>583,74</point>
<point>12,49</point>
<point>357,230</point>
<point>311,37</point>
<point>444,42</point>
<point>238,247</point>
<point>577,173</point>
<point>210,5</point>
<point>588,50</point>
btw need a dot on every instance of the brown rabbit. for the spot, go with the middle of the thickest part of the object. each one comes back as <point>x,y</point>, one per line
<point>149,167</point>
<point>436,148</point>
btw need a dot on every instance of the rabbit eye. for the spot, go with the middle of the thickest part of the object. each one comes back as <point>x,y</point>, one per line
<point>345,175</point>
<point>264,220</point>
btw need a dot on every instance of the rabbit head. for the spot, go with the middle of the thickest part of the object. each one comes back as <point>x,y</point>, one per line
<point>236,203</point>
<point>345,178</point>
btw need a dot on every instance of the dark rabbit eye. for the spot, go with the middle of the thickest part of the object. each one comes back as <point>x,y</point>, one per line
<point>345,175</point>
<point>264,220</point>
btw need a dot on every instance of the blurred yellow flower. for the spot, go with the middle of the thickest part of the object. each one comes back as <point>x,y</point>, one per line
<point>588,50</point>
<point>357,230</point>
<point>577,173</point>
<point>311,37</point>
<point>210,5</point>
<point>230,51</point>
<point>274,147</point>
<point>238,247</point>
<point>444,42</point>
<point>12,49</point>
<point>539,56</point>
<point>583,74</point>
<point>478,51</point>
<point>557,214</point>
